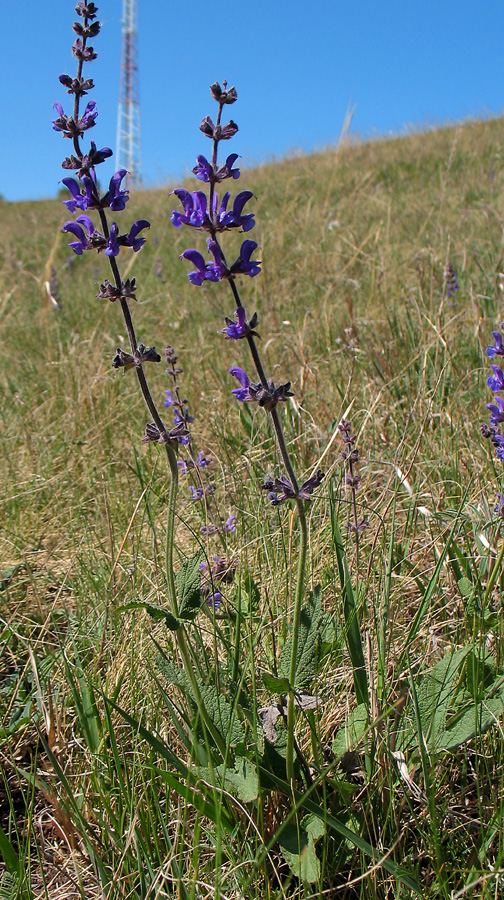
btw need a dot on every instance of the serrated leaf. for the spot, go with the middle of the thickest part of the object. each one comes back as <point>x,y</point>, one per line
<point>155,612</point>
<point>308,647</point>
<point>277,685</point>
<point>172,673</point>
<point>350,735</point>
<point>242,781</point>
<point>188,584</point>
<point>223,715</point>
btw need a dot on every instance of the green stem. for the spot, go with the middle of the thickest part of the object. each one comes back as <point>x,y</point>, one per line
<point>495,572</point>
<point>298,600</point>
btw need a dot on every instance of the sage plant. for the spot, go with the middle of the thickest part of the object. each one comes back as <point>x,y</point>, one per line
<point>202,212</point>
<point>106,237</point>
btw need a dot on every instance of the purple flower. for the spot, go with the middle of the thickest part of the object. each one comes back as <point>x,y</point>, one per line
<point>214,600</point>
<point>279,490</point>
<point>307,488</point>
<point>131,239</point>
<point>230,524</point>
<point>115,198</point>
<point>211,271</point>
<point>496,411</point>
<point>113,246</point>
<point>499,509</point>
<point>498,350</point>
<point>243,265</point>
<point>258,393</point>
<point>195,209</point>
<point>240,329</point>
<point>204,171</point>
<point>67,125</point>
<point>187,464</point>
<point>170,400</point>
<point>497,382</point>
<point>88,200</point>
<point>242,394</point>
<point>83,241</point>
<point>234,218</point>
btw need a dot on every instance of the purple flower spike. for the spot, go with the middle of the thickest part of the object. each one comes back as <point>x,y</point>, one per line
<point>243,265</point>
<point>131,239</point>
<point>497,382</point>
<point>498,350</point>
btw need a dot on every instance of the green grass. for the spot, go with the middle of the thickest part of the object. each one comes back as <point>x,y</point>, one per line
<point>112,786</point>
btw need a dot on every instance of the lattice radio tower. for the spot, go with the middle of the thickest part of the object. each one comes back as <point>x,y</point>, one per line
<point>128,119</point>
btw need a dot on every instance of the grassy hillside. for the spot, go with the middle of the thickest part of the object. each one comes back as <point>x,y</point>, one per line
<point>353,310</point>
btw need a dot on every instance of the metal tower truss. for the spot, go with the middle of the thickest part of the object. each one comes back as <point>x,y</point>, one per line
<point>128,119</point>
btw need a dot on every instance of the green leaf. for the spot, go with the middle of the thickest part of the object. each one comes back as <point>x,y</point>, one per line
<point>188,583</point>
<point>173,674</point>
<point>350,735</point>
<point>298,848</point>
<point>308,648</point>
<point>278,685</point>
<point>155,612</point>
<point>242,781</point>
<point>9,855</point>
<point>7,574</point>
<point>223,715</point>
<point>465,587</point>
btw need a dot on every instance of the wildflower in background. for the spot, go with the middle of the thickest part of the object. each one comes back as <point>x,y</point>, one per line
<point>496,383</point>
<point>450,279</point>
<point>350,455</point>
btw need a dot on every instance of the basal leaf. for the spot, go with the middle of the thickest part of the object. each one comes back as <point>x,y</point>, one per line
<point>350,735</point>
<point>298,848</point>
<point>223,715</point>
<point>309,644</point>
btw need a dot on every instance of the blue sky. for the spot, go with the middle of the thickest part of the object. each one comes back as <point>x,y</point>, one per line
<point>297,67</point>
